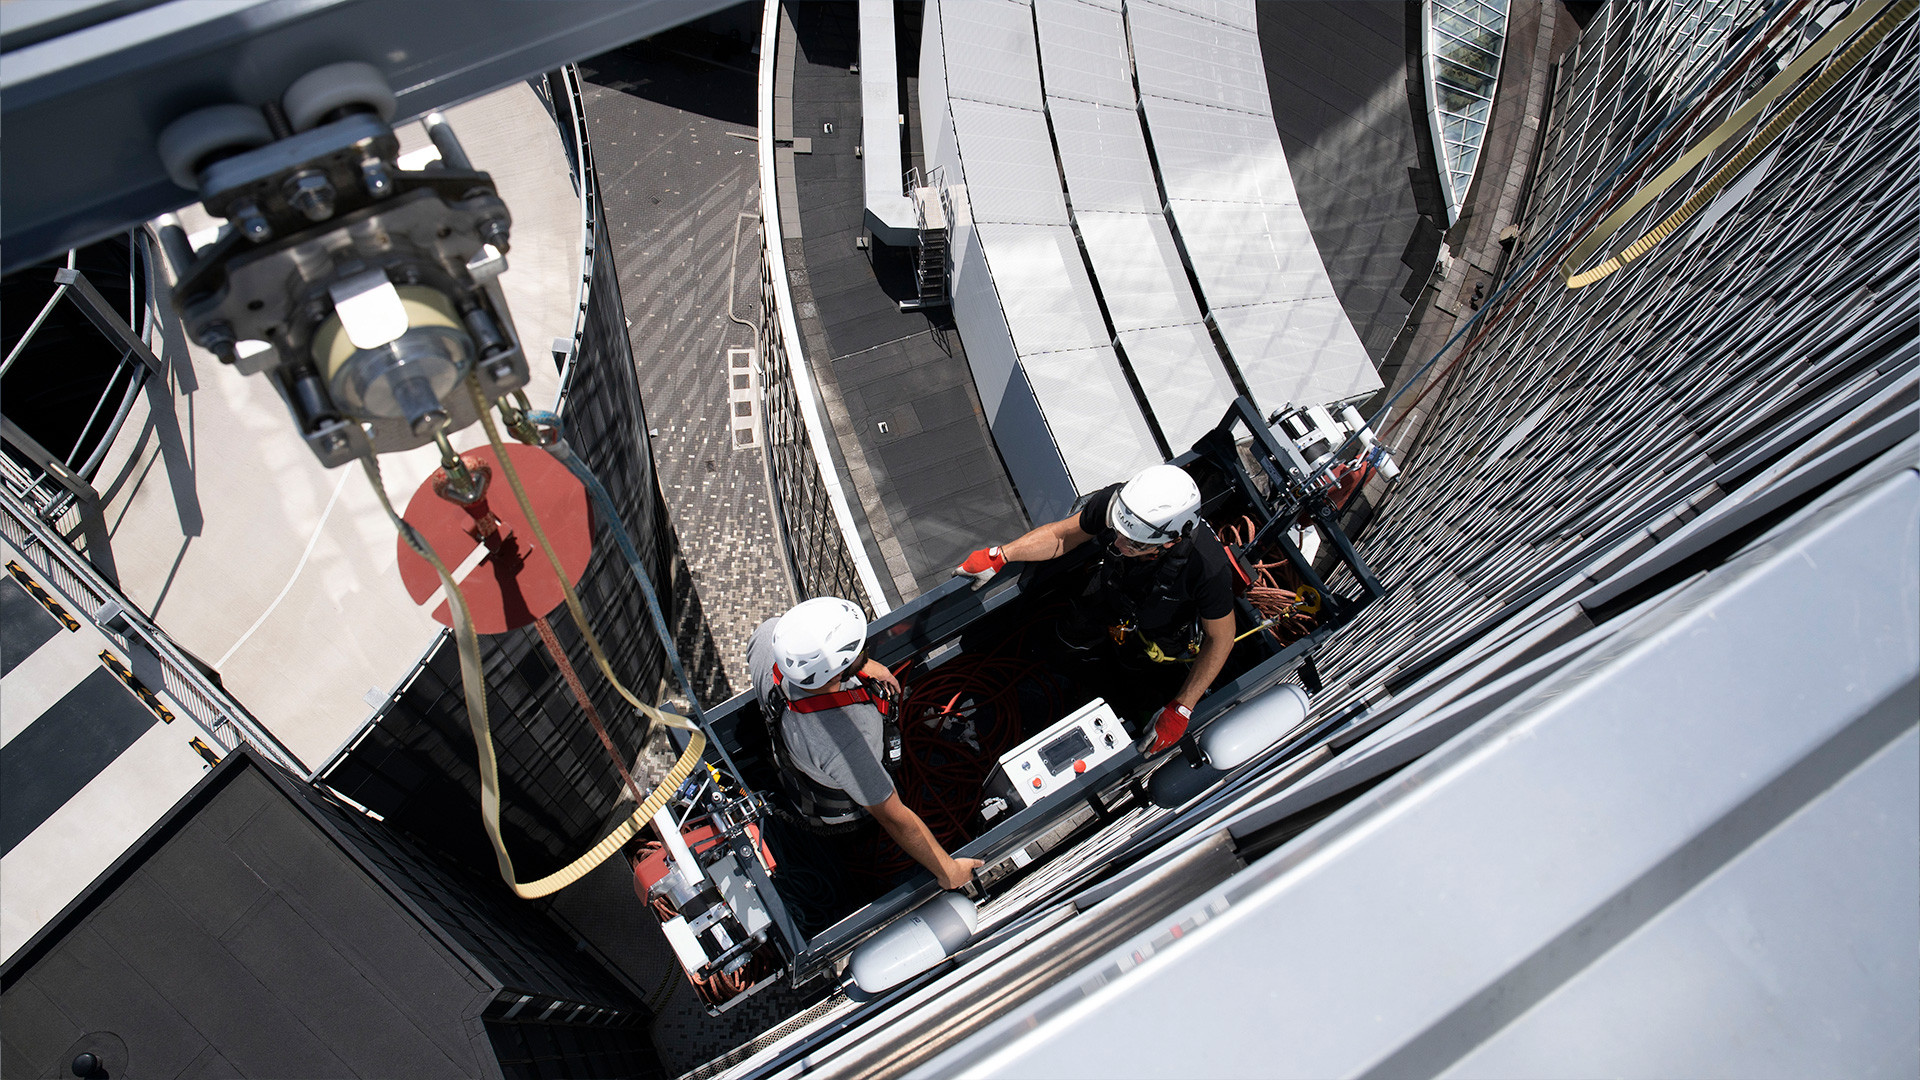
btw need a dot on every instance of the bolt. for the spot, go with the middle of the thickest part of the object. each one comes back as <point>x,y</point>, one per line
<point>252,223</point>
<point>495,231</point>
<point>309,192</point>
<point>332,443</point>
<point>373,173</point>
<point>431,422</point>
<point>218,339</point>
<point>500,371</point>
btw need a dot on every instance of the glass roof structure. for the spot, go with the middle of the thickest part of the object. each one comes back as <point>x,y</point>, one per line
<point>1464,42</point>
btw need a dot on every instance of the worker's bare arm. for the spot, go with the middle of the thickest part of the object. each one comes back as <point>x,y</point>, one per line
<point>1048,541</point>
<point>1215,647</point>
<point>913,836</point>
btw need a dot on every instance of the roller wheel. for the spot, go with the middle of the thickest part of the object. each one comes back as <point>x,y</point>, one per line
<point>320,92</point>
<point>196,138</point>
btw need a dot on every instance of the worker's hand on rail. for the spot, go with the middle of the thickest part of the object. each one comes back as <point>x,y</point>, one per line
<point>981,566</point>
<point>1168,727</point>
<point>957,873</point>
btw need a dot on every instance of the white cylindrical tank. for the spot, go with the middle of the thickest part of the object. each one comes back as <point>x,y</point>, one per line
<point>912,944</point>
<point>1256,725</point>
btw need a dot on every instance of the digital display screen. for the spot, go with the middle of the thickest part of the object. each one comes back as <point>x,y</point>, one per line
<point>1060,754</point>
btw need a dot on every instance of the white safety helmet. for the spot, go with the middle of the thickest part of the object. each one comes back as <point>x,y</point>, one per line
<point>1159,505</point>
<point>817,640</point>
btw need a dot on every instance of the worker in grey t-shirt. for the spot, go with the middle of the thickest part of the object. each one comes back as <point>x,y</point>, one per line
<point>815,655</point>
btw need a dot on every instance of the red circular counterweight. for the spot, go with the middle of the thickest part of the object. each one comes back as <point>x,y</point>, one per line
<point>514,584</point>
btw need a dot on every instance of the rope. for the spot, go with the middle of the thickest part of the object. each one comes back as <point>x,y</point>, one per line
<point>563,453</point>
<point>474,687</point>
<point>1289,607</point>
<point>1888,18</point>
<point>552,642</point>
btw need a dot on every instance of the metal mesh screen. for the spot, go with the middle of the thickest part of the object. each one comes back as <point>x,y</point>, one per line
<point>1584,419</point>
<point>815,544</point>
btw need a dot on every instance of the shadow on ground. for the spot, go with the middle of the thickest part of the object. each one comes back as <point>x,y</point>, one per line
<point>695,67</point>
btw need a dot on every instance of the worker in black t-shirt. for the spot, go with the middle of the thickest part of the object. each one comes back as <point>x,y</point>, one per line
<point>1163,589</point>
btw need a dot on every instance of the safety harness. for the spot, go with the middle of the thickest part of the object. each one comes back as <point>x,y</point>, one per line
<point>823,807</point>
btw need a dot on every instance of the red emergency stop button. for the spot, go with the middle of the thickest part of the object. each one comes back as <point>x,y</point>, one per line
<point>1080,765</point>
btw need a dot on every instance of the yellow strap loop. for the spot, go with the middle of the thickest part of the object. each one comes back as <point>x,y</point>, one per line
<point>473,685</point>
<point>1741,117</point>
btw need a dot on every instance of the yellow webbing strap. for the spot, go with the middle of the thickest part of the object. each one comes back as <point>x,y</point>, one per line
<point>1779,84</point>
<point>474,686</point>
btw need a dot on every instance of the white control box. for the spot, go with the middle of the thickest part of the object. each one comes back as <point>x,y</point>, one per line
<point>1049,761</point>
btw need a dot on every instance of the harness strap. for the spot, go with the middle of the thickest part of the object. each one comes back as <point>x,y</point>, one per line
<point>839,699</point>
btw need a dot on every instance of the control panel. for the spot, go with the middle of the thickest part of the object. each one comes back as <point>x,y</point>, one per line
<point>1049,761</point>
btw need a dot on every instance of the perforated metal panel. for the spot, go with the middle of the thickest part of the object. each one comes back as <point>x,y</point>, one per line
<point>1092,413</point>
<point>1085,51</point>
<point>1181,374</point>
<point>1043,287</point>
<point>1010,170</point>
<point>1199,60</point>
<point>990,52</point>
<point>1239,14</point>
<point>1248,253</point>
<point>1218,155</point>
<point>1140,273</point>
<point>1105,157</point>
<point>1296,351</point>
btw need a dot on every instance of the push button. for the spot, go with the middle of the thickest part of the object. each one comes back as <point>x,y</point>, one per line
<point>1080,766</point>
<point>1037,781</point>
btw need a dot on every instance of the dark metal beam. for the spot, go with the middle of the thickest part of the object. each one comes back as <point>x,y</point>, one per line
<point>83,110</point>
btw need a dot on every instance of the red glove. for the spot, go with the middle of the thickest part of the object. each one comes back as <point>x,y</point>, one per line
<point>982,565</point>
<point>1169,726</point>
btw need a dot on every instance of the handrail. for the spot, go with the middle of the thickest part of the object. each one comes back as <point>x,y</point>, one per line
<point>787,331</point>
<point>585,180</point>
<point>224,721</point>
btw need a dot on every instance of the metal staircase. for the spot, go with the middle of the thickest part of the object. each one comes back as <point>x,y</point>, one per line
<point>932,211</point>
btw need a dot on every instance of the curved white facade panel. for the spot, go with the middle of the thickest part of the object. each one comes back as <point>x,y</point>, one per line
<point>1250,253</point>
<point>1043,286</point>
<point>1204,96</point>
<point>1106,441</point>
<point>1310,336</point>
<point>1236,13</point>
<point>1140,276</point>
<point>1180,373</point>
<point>1200,60</point>
<point>1086,52</point>
<point>1008,157</point>
<point>1219,155</point>
<point>1105,157</point>
<point>1064,349</point>
<point>1087,71</point>
<point>990,52</point>
<point>1102,243</point>
<point>1043,358</point>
